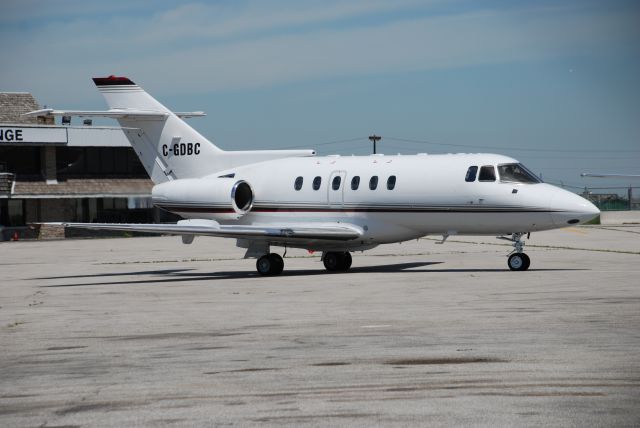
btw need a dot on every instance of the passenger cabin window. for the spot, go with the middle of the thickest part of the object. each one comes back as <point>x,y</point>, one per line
<point>391,182</point>
<point>316,183</point>
<point>487,173</point>
<point>471,174</point>
<point>298,183</point>
<point>373,183</point>
<point>355,182</point>
<point>335,184</point>
<point>516,173</point>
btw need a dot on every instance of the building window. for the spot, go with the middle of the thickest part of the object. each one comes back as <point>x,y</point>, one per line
<point>355,182</point>
<point>391,182</point>
<point>98,162</point>
<point>335,184</point>
<point>471,174</point>
<point>373,182</point>
<point>316,183</point>
<point>487,173</point>
<point>22,161</point>
<point>298,183</point>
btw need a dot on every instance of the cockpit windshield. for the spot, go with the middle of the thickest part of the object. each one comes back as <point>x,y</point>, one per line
<point>516,173</point>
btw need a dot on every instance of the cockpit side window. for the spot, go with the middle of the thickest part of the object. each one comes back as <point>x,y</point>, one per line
<point>487,173</point>
<point>471,174</point>
<point>516,173</point>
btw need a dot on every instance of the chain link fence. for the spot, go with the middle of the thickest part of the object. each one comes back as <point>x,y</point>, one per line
<point>610,198</point>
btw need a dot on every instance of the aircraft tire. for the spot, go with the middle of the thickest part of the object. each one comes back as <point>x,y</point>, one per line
<point>270,264</point>
<point>332,261</point>
<point>527,261</point>
<point>277,264</point>
<point>346,261</point>
<point>264,265</point>
<point>519,261</point>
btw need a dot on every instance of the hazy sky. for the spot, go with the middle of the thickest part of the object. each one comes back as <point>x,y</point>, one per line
<point>553,84</point>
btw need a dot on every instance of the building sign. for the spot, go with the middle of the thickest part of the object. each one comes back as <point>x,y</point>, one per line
<point>32,135</point>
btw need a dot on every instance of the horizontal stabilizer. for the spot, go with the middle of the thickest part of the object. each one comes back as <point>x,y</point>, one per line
<point>114,113</point>
<point>273,233</point>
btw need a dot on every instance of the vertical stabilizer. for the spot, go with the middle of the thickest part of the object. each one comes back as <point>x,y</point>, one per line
<point>167,147</point>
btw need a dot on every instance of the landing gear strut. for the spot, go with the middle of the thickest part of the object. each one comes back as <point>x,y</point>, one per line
<point>336,261</point>
<point>518,260</point>
<point>270,264</point>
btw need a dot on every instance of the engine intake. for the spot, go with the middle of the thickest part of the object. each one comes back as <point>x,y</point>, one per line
<point>242,197</point>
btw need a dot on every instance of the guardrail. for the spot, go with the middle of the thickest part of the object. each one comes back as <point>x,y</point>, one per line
<point>7,180</point>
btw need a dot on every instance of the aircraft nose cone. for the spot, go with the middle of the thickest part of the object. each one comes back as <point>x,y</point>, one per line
<point>569,209</point>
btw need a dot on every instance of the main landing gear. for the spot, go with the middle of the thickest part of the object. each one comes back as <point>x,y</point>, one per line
<point>337,261</point>
<point>517,260</point>
<point>270,264</point>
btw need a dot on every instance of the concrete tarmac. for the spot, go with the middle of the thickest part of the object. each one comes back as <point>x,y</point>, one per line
<point>150,332</point>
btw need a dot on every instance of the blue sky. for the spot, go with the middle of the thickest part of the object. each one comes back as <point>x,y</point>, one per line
<point>553,84</point>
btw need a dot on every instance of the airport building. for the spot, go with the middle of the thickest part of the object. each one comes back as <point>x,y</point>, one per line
<point>66,172</point>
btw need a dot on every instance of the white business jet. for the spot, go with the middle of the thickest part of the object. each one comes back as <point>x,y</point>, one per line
<point>332,204</point>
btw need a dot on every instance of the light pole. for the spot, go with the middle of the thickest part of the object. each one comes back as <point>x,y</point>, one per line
<point>375,138</point>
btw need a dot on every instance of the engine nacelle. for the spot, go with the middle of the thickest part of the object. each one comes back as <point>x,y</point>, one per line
<point>204,198</point>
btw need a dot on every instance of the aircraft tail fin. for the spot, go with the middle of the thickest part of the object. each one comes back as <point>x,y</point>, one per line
<point>167,146</point>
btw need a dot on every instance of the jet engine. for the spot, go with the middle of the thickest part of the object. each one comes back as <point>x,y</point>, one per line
<point>221,198</point>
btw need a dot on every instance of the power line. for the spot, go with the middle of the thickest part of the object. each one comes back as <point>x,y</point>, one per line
<point>347,140</point>
<point>407,140</point>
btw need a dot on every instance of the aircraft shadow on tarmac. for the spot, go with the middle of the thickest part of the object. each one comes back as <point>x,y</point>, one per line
<point>186,275</point>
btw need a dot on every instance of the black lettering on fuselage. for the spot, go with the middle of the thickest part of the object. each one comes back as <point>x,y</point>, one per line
<point>11,135</point>
<point>181,149</point>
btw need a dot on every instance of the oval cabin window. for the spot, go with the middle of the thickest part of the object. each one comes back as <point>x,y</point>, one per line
<point>335,184</point>
<point>373,183</point>
<point>391,182</point>
<point>316,183</point>
<point>355,182</point>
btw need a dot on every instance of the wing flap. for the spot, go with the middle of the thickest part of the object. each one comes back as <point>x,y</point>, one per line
<point>271,232</point>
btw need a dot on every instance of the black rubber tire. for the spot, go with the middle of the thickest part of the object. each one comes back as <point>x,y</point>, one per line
<point>332,261</point>
<point>346,261</point>
<point>264,265</point>
<point>518,261</point>
<point>277,264</point>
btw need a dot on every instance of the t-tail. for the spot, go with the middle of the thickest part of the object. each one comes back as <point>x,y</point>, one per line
<point>167,146</point>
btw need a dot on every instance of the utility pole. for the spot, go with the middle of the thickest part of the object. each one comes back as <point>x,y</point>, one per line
<point>375,138</point>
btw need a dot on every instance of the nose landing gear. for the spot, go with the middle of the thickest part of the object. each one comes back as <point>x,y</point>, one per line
<point>518,260</point>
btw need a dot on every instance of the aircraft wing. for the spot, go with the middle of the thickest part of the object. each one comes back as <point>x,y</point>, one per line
<point>270,232</point>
